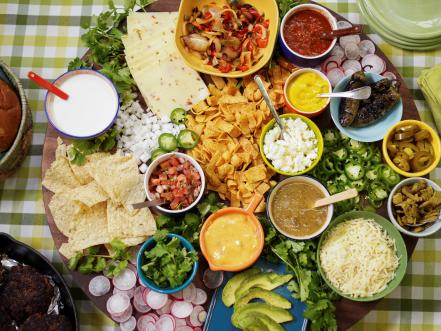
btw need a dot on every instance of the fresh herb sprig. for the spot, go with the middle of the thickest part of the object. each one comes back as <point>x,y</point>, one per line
<point>91,261</point>
<point>190,225</point>
<point>286,5</point>
<point>167,264</point>
<point>307,285</point>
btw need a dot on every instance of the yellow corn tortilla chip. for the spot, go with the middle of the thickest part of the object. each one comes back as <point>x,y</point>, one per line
<point>89,194</point>
<point>59,177</point>
<point>81,174</point>
<point>68,250</point>
<point>64,210</point>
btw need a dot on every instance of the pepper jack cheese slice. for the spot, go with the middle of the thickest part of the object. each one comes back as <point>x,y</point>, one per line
<point>163,78</point>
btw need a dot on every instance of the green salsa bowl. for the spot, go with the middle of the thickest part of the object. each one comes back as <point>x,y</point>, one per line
<point>391,231</point>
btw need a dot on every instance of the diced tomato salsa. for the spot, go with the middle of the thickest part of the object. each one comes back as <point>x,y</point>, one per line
<point>175,181</point>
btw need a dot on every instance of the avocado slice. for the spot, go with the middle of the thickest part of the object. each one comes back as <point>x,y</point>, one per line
<point>269,322</point>
<point>267,281</point>
<point>269,297</point>
<point>234,283</point>
<point>279,315</point>
<point>251,323</point>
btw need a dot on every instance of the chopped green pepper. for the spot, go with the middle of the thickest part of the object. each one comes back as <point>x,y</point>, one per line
<point>372,174</point>
<point>354,145</point>
<point>390,177</point>
<point>359,185</point>
<point>327,166</point>
<point>178,116</point>
<point>157,152</point>
<point>330,137</point>
<point>377,191</point>
<point>354,171</point>
<point>376,158</point>
<point>188,139</point>
<point>340,154</point>
<point>167,142</point>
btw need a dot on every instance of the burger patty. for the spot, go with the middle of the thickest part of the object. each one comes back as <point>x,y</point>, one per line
<point>5,320</point>
<point>44,322</point>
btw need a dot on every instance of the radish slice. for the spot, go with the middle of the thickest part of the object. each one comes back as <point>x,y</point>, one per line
<point>338,51</point>
<point>351,65</point>
<point>349,72</point>
<point>197,329</point>
<point>166,308</point>
<point>133,251</point>
<point>117,304</point>
<point>181,309</point>
<point>128,325</point>
<point>189,293</point>
<point>335,75</point>
<point>126,280</point>
<point>149,327</point>
<point>184,328</point>
<point>156,300</point>
<point>202,316</point>
<point>177,295</point>
<point>154,316</point>
<point>166,323</point>
<point>180,321</point>
<point>201,297</point>
<point>331,62</point>
<point>99,286</point>
<point>343,25</point>
<point>144,294</point>
<point>366,47</point>
<point>141,308</point>
<point>143,321</point>
<point>352,51</point>
<point>389,75</point>
<point>194,316</point>
<point>373,63</point>
<point>123,317</point>
<point>352,38</point>
<point>212,279</point>
<point>138,296</point>
<point>147,319</point>
<point>130,293</point>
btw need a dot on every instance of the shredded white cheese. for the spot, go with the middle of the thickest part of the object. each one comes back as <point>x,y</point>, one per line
<point>359,258</point>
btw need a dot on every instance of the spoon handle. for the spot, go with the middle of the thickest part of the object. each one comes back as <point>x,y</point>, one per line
<point>355,29</point>
<point>348,194</point>
<point>47,85</point>
<point>145,204</point>
<point>267,99</point>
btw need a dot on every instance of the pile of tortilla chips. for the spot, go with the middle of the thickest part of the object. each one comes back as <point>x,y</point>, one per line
<point>229,123</point>
<point>92,203</point>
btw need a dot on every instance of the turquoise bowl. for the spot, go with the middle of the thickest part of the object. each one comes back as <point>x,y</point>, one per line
<point>147,282</point>
<point>373,132</point>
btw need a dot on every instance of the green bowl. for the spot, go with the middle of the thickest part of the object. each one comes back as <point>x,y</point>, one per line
<point>311,125</point>
<point>392,232</point>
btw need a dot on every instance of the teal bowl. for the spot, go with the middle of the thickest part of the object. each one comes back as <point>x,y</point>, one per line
<point>377,130</point>
<point>147,282</point>
<point>391,231</point>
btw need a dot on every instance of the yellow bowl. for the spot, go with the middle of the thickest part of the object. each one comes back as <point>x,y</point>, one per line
<point>434,140</point>
<point>311,125</point>
<point>269,7</point>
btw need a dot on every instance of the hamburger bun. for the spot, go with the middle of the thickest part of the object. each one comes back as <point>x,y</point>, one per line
<point>10,116</point>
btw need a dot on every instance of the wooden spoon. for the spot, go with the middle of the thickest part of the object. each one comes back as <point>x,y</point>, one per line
<point>355,29</point>
<point>345,195</point>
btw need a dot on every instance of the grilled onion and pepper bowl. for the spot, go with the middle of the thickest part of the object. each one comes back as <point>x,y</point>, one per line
<point>412,148</point>
<point>297,156</point>
<point>227,42</point>
<point>176,178</point>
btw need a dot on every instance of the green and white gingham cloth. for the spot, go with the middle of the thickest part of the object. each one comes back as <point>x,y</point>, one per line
<point>43,35</point>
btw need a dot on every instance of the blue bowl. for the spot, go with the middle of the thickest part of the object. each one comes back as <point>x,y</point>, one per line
<point>149,283</point>
<point>377,130</point>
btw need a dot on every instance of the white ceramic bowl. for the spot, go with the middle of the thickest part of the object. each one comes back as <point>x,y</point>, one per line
<point>153,166</point>
<point>297,179</point>
<point>426,232</point>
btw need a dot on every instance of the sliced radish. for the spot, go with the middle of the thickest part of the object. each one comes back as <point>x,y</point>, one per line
<point>335,75</point>
<point>99,286</point>
<point>352,51</point>
<point>126,280</point>
<point>349,72</point>
<point>156,300</point>
<point>189,293</point>
<point>366,47</point>
<point>138,295</point>
<point>145,293</point>
<point>148,318</point>
<point>166,323</point>
<point>150,327</point>
<point>352,38</point>
<point>177,295</point>
<point>197,329</point>
<point>338,51</point>
<point>130,293</point>
<point>331,62</point>
<point>373,63</point>
<point>343,25</point>
<point>166,308</point>
<point>184,328</point>
<point>180,321</point>
<point>133,251</point>
<point>143,321</point>
<point>128,325</point>
<point>351,65</point>
<point>212,279</point>
<point>118,304</point>
<point>154,316</point>
<point>181,309</point>
<point>201,297</point>
<point>141,308</point>
<point>123,317</point>
<point>202,316</point>
<point>194,316</point>
<point>389,75</point>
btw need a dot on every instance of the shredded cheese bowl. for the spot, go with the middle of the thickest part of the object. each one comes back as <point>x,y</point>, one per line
<point>362,256</point>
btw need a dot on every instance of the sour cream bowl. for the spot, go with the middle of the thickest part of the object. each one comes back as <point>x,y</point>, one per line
<point>91,108</point>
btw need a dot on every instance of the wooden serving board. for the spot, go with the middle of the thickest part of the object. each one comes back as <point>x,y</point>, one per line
<point>348,312</point>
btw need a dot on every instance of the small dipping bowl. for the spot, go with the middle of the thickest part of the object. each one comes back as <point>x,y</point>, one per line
<point>295,57</point>
<point>249,213</point>
<point>288,102</point>
<point>290,180</point>
<point>91,108</point>
<point>155,163</point>
<point>147,282</point>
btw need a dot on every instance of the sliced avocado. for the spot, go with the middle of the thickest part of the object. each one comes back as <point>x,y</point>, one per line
<point>269,322</point>
<point>233,284</point>
<point>251,323</point>
<point>267,281</point>
<point>269,297</point>
<point>279,315</point>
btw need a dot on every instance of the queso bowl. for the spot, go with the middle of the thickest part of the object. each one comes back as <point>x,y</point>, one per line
<point>249,212</point>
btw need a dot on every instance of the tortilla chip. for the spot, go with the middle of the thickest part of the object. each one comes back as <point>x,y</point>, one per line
<point>68,250</point>
<point>89,194</point>
<point>59,177</point>
<point>64,210</point>
<point>136,194</point>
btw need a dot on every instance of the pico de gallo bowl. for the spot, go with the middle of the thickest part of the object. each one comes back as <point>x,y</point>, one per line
<point>177,179</point>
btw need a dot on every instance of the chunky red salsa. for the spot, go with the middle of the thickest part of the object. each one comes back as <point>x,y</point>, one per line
<point>302,32</point>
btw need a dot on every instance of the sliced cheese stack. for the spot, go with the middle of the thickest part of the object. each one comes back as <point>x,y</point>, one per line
<point>163,78</point>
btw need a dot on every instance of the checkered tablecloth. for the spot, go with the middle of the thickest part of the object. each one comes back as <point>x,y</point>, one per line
<point>43,35</point>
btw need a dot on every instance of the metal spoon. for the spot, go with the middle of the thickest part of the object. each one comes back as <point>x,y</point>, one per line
<point>144,204</point>
<point>360,93</point>
<point>420,224</point>
<point>269,103</point>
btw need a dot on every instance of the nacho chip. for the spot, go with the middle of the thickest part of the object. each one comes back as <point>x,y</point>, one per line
<point>68,250</point>
<point>89,194</point>
<point>59,177</point>
<point>64,210</point>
